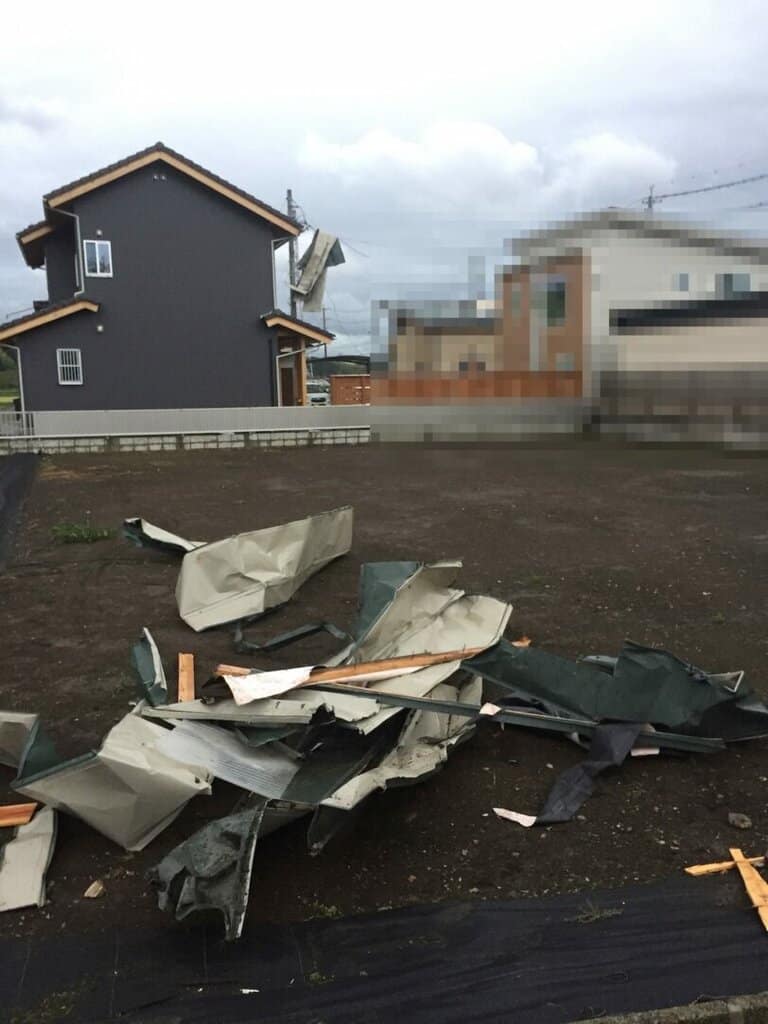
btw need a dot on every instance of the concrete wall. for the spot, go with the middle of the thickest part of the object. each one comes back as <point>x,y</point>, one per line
<point>181,315</point>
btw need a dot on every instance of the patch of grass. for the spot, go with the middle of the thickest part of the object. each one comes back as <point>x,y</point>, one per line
<point>317,978</point>
<point>52,1008</point>
<point>322,910</point>
<point>80,533</point>
<point>591,912</point>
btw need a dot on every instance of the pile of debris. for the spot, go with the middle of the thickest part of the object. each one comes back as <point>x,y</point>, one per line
<point>424,665</point>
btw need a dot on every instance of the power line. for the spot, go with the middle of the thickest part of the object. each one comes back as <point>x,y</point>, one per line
<point>650,200</point>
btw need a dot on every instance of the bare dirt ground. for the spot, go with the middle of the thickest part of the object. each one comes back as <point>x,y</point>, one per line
<point>590,544</point>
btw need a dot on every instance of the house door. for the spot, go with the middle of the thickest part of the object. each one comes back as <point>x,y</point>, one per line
<point>288,385</point>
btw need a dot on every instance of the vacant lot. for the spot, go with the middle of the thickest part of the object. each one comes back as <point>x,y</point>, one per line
<point>590,544</point>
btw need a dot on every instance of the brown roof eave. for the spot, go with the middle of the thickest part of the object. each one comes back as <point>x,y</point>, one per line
<point>40,317</point>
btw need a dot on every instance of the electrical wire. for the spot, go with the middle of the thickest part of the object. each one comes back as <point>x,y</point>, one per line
<point>707,188</point>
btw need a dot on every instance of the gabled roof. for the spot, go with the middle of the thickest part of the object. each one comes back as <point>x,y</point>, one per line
<point>277,318</point>
<point>643,225</point>
<point>160,151</point>
<point>47,315</point>
<point>63,195</point>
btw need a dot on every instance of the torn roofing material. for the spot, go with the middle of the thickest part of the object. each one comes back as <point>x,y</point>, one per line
<point>24,861</point>
<point>406,611</point>
<point>149,667</point>
<point>219,752</point>
<point>422,747</point>
<point>611,744</point>
<point>647,685</point>
<point>15,729</point>
<point>212,870</point>
<point>241,577</point>
<point>128,790</point>
<point>145,534</point>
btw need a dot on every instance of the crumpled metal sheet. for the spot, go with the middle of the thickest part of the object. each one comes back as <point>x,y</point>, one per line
<point>647,685</point>
<point>423,746</point>
<point>243,576</point>
<point>611,744</point>
<point>219,752</point>
<point>406,612</point>
<point>128,790</point>
<point>212,870</point>
<point>145,534</point>
<point>149,667</point>
<point>15,727</point>
<point>24,862</point>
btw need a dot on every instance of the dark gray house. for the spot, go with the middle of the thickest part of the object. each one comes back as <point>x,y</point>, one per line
<point>161,295</point>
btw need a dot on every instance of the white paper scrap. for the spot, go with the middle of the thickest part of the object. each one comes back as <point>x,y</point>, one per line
<point>259,685</point>
<point>526,820</point>
<point>490,709</point>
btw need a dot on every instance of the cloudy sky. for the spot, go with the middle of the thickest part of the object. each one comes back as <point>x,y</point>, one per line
<point>422,134</point>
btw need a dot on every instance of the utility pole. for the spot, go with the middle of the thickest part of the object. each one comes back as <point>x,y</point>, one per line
<point>292,247</point>
<point>325,347</point>
<point>649,199</point>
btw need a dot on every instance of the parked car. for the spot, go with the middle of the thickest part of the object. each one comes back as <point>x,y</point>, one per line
<point>318,391</point>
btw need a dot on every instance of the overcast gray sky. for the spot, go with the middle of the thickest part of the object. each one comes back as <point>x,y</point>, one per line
<point>417,132</point>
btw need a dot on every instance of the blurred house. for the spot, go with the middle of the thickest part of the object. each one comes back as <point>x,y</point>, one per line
<point>697,364</point>
<point>547,331</point>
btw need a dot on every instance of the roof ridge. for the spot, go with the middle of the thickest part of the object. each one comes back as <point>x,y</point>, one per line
<point>160,148</point>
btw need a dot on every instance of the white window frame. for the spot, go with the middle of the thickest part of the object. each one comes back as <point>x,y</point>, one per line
<point>97,242</point>
<point>77,365</point>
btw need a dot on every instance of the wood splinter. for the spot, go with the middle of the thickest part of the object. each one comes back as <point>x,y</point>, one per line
<point>756,886</point>
<point>16,814</point>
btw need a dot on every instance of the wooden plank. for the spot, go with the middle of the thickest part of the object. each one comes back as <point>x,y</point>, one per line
<point>186,677</point>
<point>16,814</point>
<point>757,888</point>
<point>341,673</point>
<point>721,866</point>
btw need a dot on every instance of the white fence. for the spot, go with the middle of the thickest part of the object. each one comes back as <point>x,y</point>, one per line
<point>117,422</point>
<point>168,429</point>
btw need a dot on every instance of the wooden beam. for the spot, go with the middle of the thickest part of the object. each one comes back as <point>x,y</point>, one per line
<point>186,677</point>
<point>16,814</point>
<point>720,867</point>
<point>757,888</point>
<point>46,318</point>
<point>342,673</point>
<point>180,165</point>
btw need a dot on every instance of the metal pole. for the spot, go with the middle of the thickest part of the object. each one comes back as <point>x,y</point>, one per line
<point>291,211</point>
